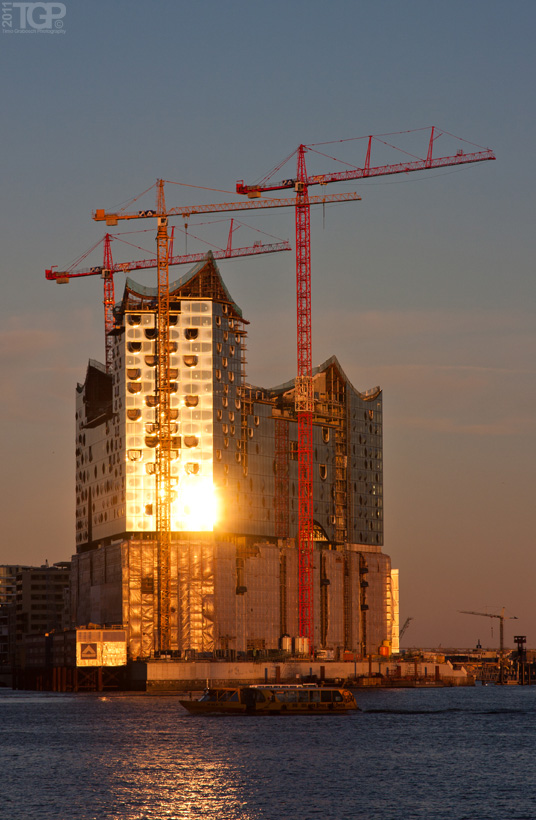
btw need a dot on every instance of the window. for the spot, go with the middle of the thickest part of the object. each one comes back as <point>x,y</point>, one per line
<point>191,401</point>
<point>134,347</point>
<point>191,333</point>
<point>323,470</point>
<point>191,441</point>
<point>190,361</point>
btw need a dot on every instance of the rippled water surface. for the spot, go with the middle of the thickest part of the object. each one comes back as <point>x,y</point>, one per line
<point>445,754</point>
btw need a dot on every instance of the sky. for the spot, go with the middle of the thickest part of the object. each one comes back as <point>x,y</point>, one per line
<point>426,287</point>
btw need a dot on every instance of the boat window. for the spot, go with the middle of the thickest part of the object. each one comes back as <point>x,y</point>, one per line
<point>337,697</point>
<point>230,695</point>
<point>326,696</point>
<point>315,695</point>
<point>303,696</point>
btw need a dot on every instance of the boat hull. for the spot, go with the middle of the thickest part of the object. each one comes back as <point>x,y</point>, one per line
<point>263,700</point>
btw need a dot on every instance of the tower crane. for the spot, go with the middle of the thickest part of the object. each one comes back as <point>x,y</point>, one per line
<point>304,397</point>
<point>501,618</point>
<point>162,415</point>
<point>109,268</point>
<point>406,624</point>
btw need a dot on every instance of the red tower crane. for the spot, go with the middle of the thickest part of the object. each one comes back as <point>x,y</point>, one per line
<point>304,399</point>
<point>108,268</point>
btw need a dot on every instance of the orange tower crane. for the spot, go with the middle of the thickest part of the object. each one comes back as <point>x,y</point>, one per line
<point>108,268</point>
<point>304,399</point>
<point>162,416</point>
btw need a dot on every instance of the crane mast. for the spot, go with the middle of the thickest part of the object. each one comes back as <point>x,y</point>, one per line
<point>163,426</point>
<point>304,403</point>
<point>108,301</point>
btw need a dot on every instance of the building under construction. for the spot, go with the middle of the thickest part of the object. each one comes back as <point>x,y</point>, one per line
<point>232,580</point>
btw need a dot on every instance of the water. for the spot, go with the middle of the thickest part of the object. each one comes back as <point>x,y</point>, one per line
<point>442,754</point>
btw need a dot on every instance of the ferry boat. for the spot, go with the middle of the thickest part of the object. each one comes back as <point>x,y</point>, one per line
<point>273,700</point>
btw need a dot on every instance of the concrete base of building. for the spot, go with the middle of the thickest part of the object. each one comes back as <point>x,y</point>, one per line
<point>183,676</point>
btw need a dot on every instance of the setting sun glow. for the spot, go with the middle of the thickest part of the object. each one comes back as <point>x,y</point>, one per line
<point>195,508</point>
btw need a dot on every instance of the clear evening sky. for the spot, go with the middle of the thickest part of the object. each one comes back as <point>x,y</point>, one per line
<point>426,287</point>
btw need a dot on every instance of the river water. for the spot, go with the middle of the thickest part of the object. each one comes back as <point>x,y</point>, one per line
<point>438,754</point>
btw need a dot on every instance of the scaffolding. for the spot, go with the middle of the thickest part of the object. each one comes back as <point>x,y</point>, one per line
<point>281,497</point>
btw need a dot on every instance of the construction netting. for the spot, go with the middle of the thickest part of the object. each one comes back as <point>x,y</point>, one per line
<point>196,598</point>
<point>233,595</point>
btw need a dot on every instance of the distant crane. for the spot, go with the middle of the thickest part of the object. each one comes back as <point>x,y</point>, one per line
<point>501,618</point>
<point>406,624</point>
